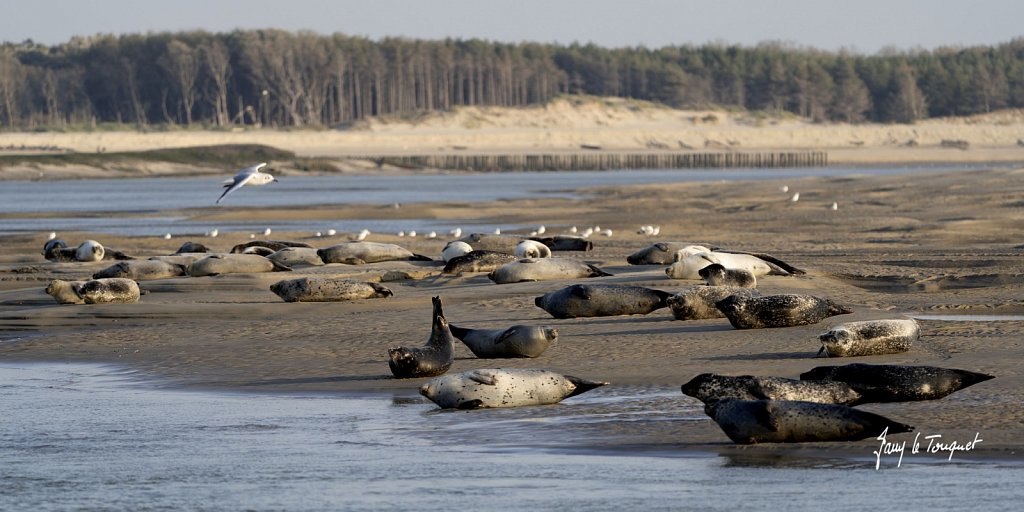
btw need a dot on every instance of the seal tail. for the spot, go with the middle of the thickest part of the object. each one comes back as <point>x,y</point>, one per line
<point>420,257</point>
<point>835,309</point>
<point>663,297</point>
<point>458,332</point>
<point>583,385</point>
<point>596,272</point>
<point>969,378</point>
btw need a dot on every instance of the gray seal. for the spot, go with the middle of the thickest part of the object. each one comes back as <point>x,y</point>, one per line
<point>361,253</point>
<point>543,269</point>
<point>717,275</point>
<point>318,289</point>
<point>258,250</point>
<point>96,291</point>
<point>511,387</point>
<point>190,247</point>
<point>429,361</point>
<point>786,310</point>
<point>589,300</point>
<point>491,242</point>
<point>869,338</point>
<point>565,243</point>
<point>515,341</point>
<point>660,253</point>
<point>708,387</point>
<point>51,245</point>
<point>274,245</point>
<point>897,383</point>
<point>790,421</point>
<point>216,264</point>
<point>142,270</point>
<point>698,302</point>
<point>296,256</point>
<point>478,261</point>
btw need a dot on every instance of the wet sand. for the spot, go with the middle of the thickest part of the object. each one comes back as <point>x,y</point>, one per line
<point>934,245</point>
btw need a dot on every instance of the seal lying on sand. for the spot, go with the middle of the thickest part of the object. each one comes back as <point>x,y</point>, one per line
<point>478,261</point>
<point>707,387</point>
<point>96,291</point>
<point>361,253</point>
<point>454,249</point>
<point>565,243</point>
<point>515,341</point>
<point>296,256</point>
<point>661,253</point>
<point>786,421</point>
<point>190,247</point>
<point>698,302</point>
<point>869,338</point>
<point>216,264</point>
<point>492,242</point>
<point>543,269</point>
<point>142,270</point>
<point>897,383</point>
<point>318,289</point>
<point>477,389</point>
<point>717,275</point>
<point>433,359</point>
<point>777,310</point>
<point>689,267</point>
<point>587,300</point>
<point>274,245</point>
<point>532,249</point>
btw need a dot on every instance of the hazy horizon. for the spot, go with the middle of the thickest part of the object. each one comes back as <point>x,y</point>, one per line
<point>866,27</point>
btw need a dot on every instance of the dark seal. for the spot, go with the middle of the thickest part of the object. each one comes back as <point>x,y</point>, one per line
<point>429,361</point>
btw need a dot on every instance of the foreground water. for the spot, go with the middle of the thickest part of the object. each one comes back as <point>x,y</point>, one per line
<point>81,437</point>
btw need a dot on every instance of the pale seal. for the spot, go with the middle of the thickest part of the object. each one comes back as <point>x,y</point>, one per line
<point>296,256</point>
<point>89,250</point>
<point>96,291</point>
<point>429,361</point>
<point>897,383</point>
<point>543,269</point>
<point>491,242</point>
<point>787,310</point>
<point>869,338</point>
<point>707,387</point>
<point>275,245</point>
<point>790,421</point>
<point>565,243</point>
<point>142,270</point>
<point>216,264</point>
<point>454,249</point>
<point>361,253</point>
<point>495,387</point>
<point>532,249</point>
<point>478,261</point>
<point>717,275</point>
<point>515,341</point>
<point>660,253</point>
<point>589,300</point>
<point>698,302</point>
<point>689,267</point>
<point>318,289</point>
<point>185,259</point>
<point>190,247</point>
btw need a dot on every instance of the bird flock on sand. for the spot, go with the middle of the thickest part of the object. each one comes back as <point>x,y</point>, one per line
<point>819,406</point>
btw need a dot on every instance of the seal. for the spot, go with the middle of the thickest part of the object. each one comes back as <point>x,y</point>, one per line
<point>492,242</point>
<point>496,387</point>
<point>318,289</point>
<point>89,250</point>
<point>185,259</point>
<point>689,266</point>
<point>478,261</point>
<point>61,253</point>
<point>698,302</point>
<point>455,249</point>
<point>589,300</point>
<point>296,256</point>
<point>54,243</point>
<point>897,383</point>
<point>258,250</point>
<point>708,387</point>
<point>869,338</point>
<point>190,247</point>
<point>565,243</point>
<point>515,341</point>
<point>660,253</point>
<point>717,275</point>
<point>274,245</point>
<point>216,264</point>
<point>361,253</point>
<point>142,270</point>
<point>96,291</point>
<point>543,269</point>
<point>787,310</point>
<point>429,361</point>
<point>532,249</point>
<point>792,421</point>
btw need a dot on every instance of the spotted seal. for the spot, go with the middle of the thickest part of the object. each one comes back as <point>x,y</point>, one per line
<point>869,338</point>
<point>515,341</point>
<point>709,386</point>
<point>698,302</point>
<point>319,289</point>
<point>717,275</point>
<point>216,264</point>
<point>361,253</point>
<point>142,270</point>
<point>897,383</point>
<point>296,256</point>
<point>787,310</point>
<point>96,291</point>
<point>792,421</point>
<point>589,300</point>
<point>496,387</point>
<point>429,361</point>
<point>532,249</point>
<point>544,269</point>
<point>478,261</point>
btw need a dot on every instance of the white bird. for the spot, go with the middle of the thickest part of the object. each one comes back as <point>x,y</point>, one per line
<point>266,232</point>
<point>331,232</point>
<point>784,188</point>
<point>247,176</point>
<point>587,232</point>
<point>795,198</point>
<point>213,233</point>
<point>835,206</point>
<point>573,229</point>
<point>497,231</point>
<point>362,235</point>
<point>457,232</point>
<point>412,232</point>
<point>432,234</point>
<point>318,234</point>
<point>606,232</point>
<point>656,230</point>
<point>52,235</point>
<point>401,233</point>
<point>541,230</point>
<point>252,235</point>
<point>167,236</point>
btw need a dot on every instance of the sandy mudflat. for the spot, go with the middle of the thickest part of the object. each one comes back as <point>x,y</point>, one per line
<point>936,244</point>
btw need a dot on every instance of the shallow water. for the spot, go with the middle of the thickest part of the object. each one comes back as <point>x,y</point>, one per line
<point>970,318</point>
<point>82,437</point>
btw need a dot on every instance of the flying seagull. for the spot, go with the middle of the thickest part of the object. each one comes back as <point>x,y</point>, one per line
<point>247,176</point>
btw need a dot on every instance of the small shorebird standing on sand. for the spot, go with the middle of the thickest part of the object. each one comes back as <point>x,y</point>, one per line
<point>247,176</point>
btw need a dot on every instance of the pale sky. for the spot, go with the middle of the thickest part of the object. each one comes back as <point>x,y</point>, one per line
<point>863,26</point>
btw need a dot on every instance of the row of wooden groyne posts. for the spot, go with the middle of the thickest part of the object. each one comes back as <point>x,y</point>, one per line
<point>607,161</point>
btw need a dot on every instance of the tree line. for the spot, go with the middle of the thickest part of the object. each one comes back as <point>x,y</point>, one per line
<point>285,79</point>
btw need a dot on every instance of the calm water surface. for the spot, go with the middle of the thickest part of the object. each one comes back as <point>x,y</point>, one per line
<point>81,437</point>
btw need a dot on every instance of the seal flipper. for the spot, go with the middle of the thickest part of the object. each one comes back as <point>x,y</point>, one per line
<point>663,297</point>
<point>764,414</point>
<point>279,267</point>
<point>583,385</point>
<point>458,332</point>
<point>483,377</point>
<point>596,272</point>
<point>420,257</point>
<point>470,404</point>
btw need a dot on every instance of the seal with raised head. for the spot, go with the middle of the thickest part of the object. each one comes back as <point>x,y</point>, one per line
<point>869,338</point>
<point>707,387</point>
<point>717,275</point>
<point>897,383</point>
<point>660,253</point>
<point>589,300</point>
<point>792,421</point>
<point>431,360</point>
<point>142,270</point>
<point>515,341</point>
<point>532,249</point>
<point>544,269</point>
<point>454,249</point>
<point>787,310</point>
<point>319,289</point>
<point>274,245</point>
<point>295,256</point>
<point>565,242</point>
<point>698,302</point>
<point>511,387</point>
<point>96,291</point>
<point>216,264</point>
<point>478,261</point>
<point>361,253</point>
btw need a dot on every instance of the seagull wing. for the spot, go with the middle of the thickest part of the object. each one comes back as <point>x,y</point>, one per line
<point>241,179</point>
